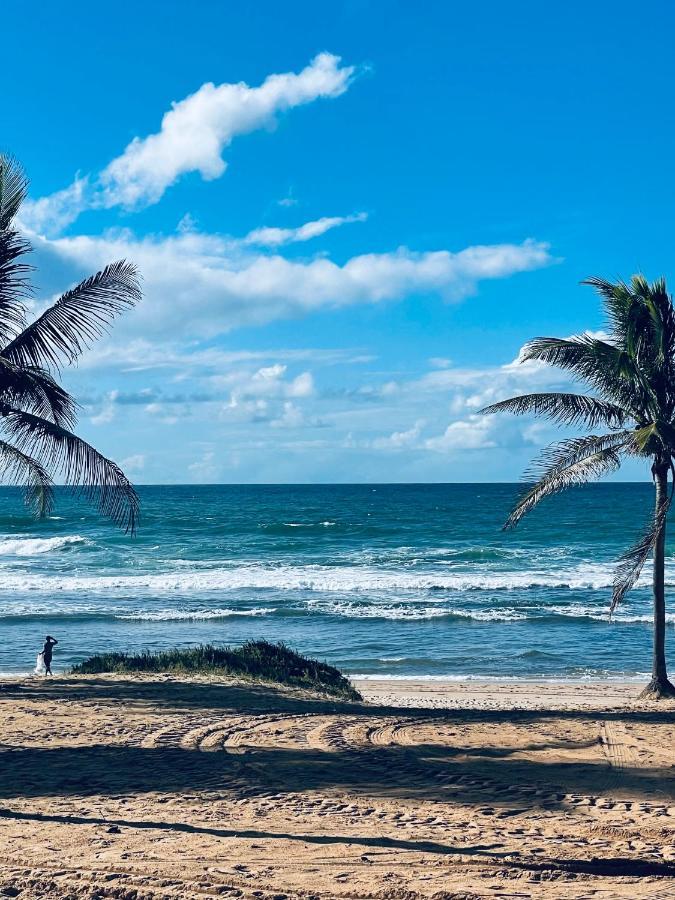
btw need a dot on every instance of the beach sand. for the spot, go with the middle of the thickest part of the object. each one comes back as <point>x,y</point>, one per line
<point>164,787</point>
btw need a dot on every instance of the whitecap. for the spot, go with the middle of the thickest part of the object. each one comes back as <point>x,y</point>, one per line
<point>187,615</point>
<point>30,546</point>
<point>309,578</point>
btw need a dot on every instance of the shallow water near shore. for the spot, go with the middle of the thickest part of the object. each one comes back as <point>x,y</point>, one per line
<point>380,580</point>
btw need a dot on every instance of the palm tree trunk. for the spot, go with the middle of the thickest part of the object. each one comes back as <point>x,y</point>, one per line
<point>659,686</point>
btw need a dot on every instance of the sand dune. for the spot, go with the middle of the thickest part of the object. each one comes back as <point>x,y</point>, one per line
<point>152,787</point>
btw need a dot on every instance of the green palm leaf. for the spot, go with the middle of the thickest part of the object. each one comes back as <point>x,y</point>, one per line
<point>36,391</point>
<point>77,318</point>
<point>93,475</point>
<point>567,463</point>
<point>632,562</point>
<point>14,284</point>
<point>608,368</point>
<point>13,190</point>
<point>36,413</point>
<point>21,469</point>
<point>633,375</point>
<point>568,409</point>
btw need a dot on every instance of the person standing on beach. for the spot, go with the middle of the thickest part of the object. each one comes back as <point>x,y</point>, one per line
<point>47,651</point>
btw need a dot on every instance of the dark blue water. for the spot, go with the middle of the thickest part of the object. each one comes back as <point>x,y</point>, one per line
<point>380,580</point>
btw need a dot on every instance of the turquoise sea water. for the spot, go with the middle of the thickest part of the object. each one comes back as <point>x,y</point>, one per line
<point>388,580</point>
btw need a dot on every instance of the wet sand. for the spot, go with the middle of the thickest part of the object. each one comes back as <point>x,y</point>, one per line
<point>163,787</point>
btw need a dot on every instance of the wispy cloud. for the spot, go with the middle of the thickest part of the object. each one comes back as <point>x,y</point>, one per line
<point>133,464</point>
<point>196,283</point>
<point>106,412</point>
<point>192,137</point>
<point>276,237</point>
<point>204,469</point>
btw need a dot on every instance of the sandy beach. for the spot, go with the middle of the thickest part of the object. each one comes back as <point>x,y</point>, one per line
<point>162,787</point>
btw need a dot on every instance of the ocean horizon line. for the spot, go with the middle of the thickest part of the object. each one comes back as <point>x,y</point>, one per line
<point>289,484</point>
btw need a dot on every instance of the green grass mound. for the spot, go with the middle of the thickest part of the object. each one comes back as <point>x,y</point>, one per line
<point>255,659</point>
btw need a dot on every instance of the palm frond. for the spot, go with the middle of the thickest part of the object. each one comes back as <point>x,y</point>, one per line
<point>659,307</point>
<point>631,562</point>
<point>77,318</point>
<point>567,463</point>
<point>14,283</point>
<point>35,390</point>
<point>618,298</point>
<point>85,469</point>
<point>567,409</point>
<point>608,368</point>
<point>643,324</point>
<point>20,469</point>
<point>13,190</point>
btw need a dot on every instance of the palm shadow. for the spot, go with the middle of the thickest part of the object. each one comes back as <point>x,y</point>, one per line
<point>177,694</point>
<point>610,866</point>
<point>510,783</point>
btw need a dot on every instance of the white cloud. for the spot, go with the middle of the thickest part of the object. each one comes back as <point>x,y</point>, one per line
<point>289,200</point>
<point>134,463</point>
<point>256,396</point>
<point>205,468</point>
<point>302,386</point>
<point>269,374</point>
<point>196,130</point>
<point>49,215</point>
<point>196,283</point>
<point>140,354</point>
<point>192,137</point>
<point>291,417</point>
<point>276,237</point>
<point>456,395</point>
<point>474,433</point>
<point>400,440</point>
<point>107,411</point>
<point>159,412</point>
<point>469,389</point>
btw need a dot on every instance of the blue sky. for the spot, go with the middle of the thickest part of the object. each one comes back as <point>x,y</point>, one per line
<point>349,218</point>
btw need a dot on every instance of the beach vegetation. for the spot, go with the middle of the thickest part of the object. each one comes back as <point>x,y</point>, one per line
<point>260,660</point>
<point>629,412</point>
<point>37,415</point>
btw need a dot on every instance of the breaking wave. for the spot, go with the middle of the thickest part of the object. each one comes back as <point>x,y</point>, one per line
<point>30,546</point>
<point>186,615</point>
<point>313,578</point>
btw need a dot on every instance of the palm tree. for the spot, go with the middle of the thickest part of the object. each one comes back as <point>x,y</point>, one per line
<point>37,415</point>
<point>631,374</point>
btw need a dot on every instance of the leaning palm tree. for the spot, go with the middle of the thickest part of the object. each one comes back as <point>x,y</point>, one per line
<point>37,416</point>
<point>631,374</point>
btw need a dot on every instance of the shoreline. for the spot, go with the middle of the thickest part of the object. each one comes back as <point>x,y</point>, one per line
<point>440,680</point>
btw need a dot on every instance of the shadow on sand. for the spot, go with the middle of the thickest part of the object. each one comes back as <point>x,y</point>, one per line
<point>418,772</point>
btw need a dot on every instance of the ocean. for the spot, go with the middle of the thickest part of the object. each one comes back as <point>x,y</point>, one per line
<point>380,580</point>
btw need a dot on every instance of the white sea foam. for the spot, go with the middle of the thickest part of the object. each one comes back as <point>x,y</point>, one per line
<point>410,611</point>
<point>372,610</point>
<point>602,615</point>
<point>404,613</point>
<point>30,546</point>
<point>308,524</point>
<point>505,614</point>
<point>33,609</point>
<point>187,615</point>
<point>323,579</point>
